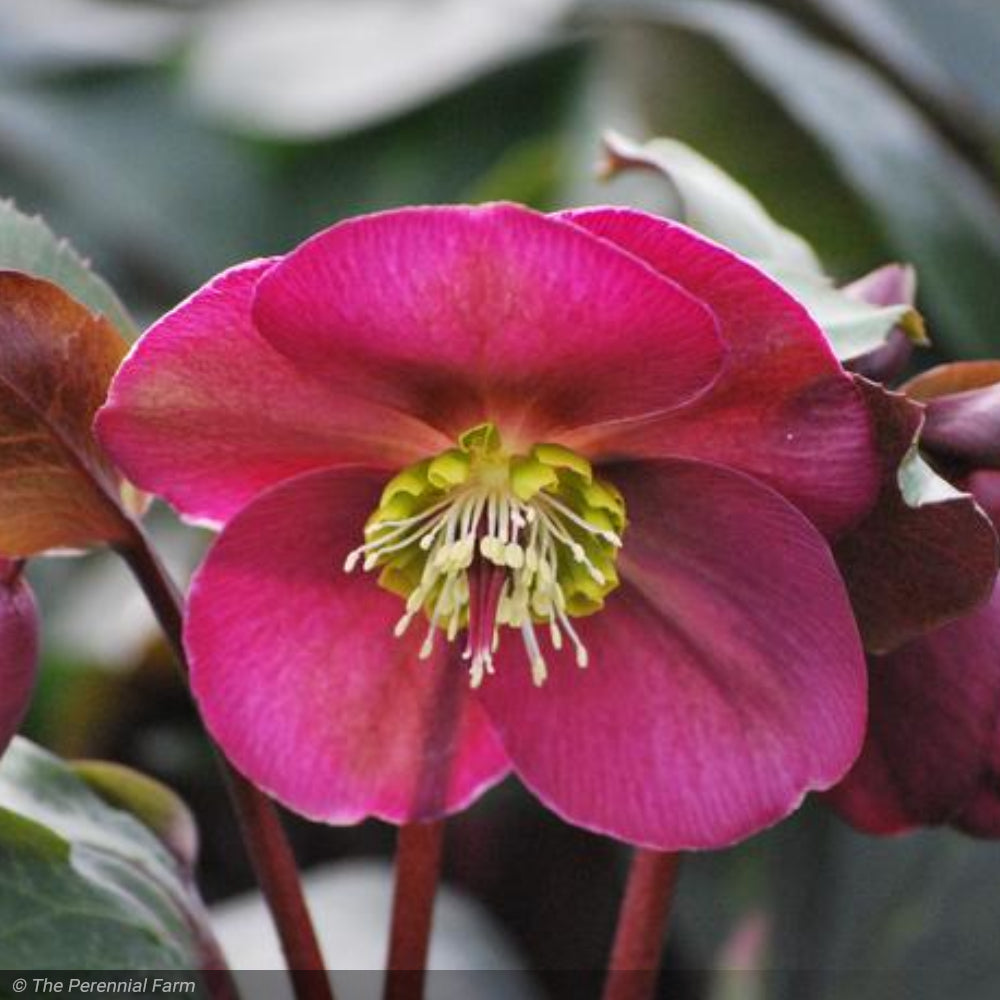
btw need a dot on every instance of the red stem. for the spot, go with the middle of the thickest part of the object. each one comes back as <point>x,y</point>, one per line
<point>263,836</point>
<point>418,867</point>
<point>278,875</point>
<point>642,923</point>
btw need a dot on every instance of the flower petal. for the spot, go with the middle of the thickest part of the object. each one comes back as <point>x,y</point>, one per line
<point>963,411</point>
<point>782,409</point>
<point>726,678</point>
<point>930,755</point>
<point>460,314</point>
<point>206,413</point>
<point>301,681</point>
<point>980,816</point>
<point>926,554</point>
<point>984,485</point>
<point>889,285</point>
<point>18,648</point>
<point>887,362</point>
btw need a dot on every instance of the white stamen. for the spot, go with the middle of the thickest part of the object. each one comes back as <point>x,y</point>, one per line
<point>406,522</point>
<point>555,636</point>
<point>528,542</point>
<point>609,536</point>
<point>582,656</point>
<point>397,528</point>
<point>539,673</point>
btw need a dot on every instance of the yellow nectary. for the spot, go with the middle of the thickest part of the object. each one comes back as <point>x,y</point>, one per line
<point>478,538</point>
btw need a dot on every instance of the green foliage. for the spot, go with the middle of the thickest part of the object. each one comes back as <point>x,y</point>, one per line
<point>945,52</point>
<point>707,199</point>
<point>934,208</point>
<point>347,65</point>
<point>864,918</point>
<point>150,132</point>
<point>85,885</point>
<point>812,910</point>
<point>27,244</point>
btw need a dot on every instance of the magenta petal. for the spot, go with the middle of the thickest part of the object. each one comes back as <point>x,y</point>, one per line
<point>206,413</point>
<point>782,410</point>
<point>980,816</point>
<point>912,566</point>
<point>965,426</point>
<point>460,314</point>
<point>726,677</point>
<point>886,362</point>
<point>931,754</point>
<point>984,485</point>
<point>18,648</point>
<point>892,284</point>
<point>889,285</point>
<point>301,681</point>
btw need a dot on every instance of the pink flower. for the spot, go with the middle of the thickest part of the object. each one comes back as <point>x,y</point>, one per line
<point>596,456</point>
<point>932,752</point>
<point>18,648</point>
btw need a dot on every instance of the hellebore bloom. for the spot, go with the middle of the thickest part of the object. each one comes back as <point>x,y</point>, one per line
<point>926,553</point>
<point>932,753</point>
<point>18,647</point>
<point>505,491</point>
<point>961,432</point>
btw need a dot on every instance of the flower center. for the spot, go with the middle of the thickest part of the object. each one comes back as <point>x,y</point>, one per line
<point>478,538</point>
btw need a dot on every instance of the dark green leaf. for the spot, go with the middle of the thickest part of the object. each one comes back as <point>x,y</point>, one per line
<point>154,804</point>
<point>61,35</point>
<point>441,152</point>
<point>308,69</point>
<point>84,885</point>
<point>946,50</point>
<point>933,207</point>
<point>866,918</point>
<point>165,200</point>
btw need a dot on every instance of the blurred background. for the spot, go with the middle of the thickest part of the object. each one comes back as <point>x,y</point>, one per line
<point>169,139</point>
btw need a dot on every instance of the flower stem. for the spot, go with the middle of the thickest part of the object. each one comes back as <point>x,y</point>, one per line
<point>263,836</point>
<point>418,867</point>
<point>642,922</point>
<point>278,875</point>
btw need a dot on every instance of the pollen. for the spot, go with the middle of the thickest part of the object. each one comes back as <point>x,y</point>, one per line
<point>479,540</point>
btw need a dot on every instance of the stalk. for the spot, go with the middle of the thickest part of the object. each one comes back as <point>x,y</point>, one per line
<point>418,868</point>
<point>634,965</point>
<point>263,835</point>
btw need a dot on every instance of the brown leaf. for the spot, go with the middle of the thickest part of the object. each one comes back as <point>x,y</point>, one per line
<point>959,376</point>
<point>57,490</point>
<point>914,563</point>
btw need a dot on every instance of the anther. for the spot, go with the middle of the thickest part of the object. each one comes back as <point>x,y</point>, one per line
<point>523,550</point>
